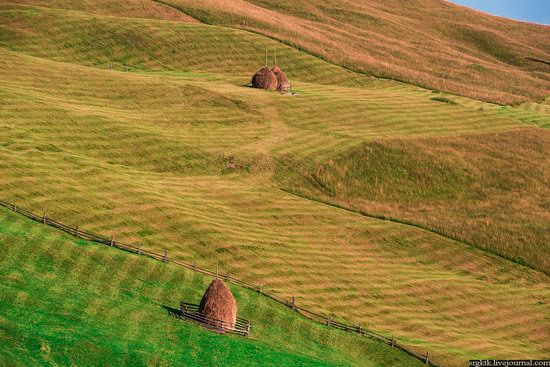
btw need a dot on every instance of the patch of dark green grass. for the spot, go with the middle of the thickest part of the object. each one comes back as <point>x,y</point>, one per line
<point>477,67</point>
<point>444,100</point>
<point>492,44</point>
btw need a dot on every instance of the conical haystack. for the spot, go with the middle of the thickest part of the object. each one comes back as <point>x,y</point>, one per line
<point>264,79</point>
<point>282,80</point>
<point>218,304</point>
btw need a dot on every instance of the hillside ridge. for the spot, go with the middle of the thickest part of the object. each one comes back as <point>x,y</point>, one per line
<point>470,50</point>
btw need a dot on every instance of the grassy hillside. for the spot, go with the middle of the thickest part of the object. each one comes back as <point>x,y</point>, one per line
<point>425,42</point>
<point>179,154</point>
<point>63,301</point>
<point>104,41</point>
<point>120,8</point>
<point>473,188</point>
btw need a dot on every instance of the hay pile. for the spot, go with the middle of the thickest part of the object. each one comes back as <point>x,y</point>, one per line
<point>264,79</point>
<point>282,81</point>
<point>218,303</point>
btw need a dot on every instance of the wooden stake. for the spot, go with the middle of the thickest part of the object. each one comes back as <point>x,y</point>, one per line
<point>14,207</point>
<point>76,231</point>
<point>112,239</point>
<point>392,341</point>
<point>260,288</point>
<point>165,256</point>
<point>328,321</point>
<point>427,358</point>
<point>44,218</point>
<point>139,250</point>
<point>293,303</point>
<point>194,265</point>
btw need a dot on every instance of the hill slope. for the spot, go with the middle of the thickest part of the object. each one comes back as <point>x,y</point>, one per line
<point>120,8</point>
<point>426,42</point>
<point>455,185</point>
<point>179,154</point>
<point>63,301</point>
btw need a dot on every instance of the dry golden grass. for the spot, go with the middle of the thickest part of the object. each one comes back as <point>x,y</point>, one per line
<point>425,42</point>
<point>119,8</point>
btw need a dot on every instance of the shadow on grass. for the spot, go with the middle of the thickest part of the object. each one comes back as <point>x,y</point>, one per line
<point>172,312</point>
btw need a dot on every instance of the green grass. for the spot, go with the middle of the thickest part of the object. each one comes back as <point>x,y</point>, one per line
<point>63,301</point>
<point>454,185</point>
<point>102,41</point>
<point>488,42</point>
<point>444,100</point>
<point>180,155</point>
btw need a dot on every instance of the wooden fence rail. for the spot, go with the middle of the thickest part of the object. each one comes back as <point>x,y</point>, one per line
<point>191,311</point>
<point>326,320</point>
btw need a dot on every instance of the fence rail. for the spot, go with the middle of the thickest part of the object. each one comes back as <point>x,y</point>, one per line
<point>191,311</point>
<point>326,320</point>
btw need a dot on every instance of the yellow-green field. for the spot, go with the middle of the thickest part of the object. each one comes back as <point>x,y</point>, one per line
<point>179,154</point>
<point>63,300</point>
<point>423,42</point>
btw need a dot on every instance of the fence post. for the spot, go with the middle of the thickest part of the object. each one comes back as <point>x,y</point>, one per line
<point>248,327</point>
<point>260,288</point>
<point>44,218</point>
<point>360,330</point>
<point>328,321</point>
<point>112,239</point>
<point>392,341</point>
<point>139,250</point>
<point>227,277</point>
<point>76,231</point>
<point>427,358</point>
<point>293,303</point>
<point>165,256</point>
<point>14,207</point>
<point>194,265</point>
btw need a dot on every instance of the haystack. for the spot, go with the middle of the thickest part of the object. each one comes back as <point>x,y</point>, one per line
<point>218,303</point>
<point>264,79</point>
<point>282,81</point>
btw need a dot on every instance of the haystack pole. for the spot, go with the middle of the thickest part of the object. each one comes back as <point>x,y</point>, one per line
<point>265,78</point>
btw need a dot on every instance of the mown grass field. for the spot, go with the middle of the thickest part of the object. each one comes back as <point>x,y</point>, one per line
<point>472,188</point>
<point>180,155</point>
<point>70,302</point>
<point>424,42</point>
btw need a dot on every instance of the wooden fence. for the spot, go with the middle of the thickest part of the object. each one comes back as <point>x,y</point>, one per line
<point>190,311</point>
<point>425,357</point>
